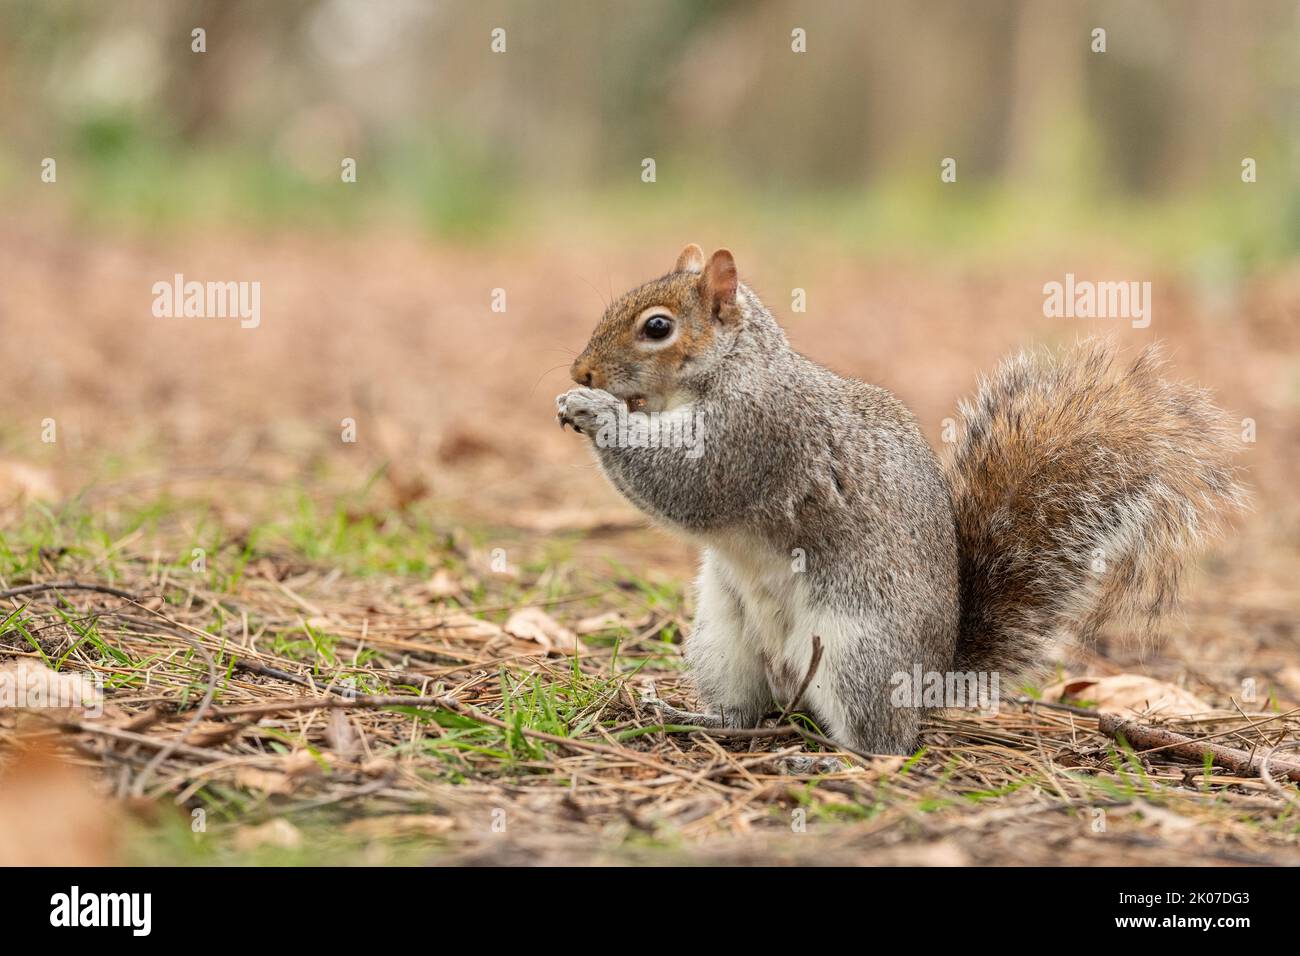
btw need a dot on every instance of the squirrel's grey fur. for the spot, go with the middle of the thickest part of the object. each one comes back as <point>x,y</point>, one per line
<point>823,512</point>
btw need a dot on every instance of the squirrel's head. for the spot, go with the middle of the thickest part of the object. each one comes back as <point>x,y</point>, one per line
<point>653,341</point>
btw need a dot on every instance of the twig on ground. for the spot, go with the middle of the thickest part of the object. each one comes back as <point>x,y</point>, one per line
<point>813,662</point>
<point>1149,739</point>
<point>361,702</point>
<point>68,586</point>
<point>1287,795</point>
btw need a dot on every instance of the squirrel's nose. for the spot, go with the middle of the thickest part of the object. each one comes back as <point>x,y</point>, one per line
<point>581,373</point>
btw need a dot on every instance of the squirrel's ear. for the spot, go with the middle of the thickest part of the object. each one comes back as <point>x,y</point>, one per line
<point>719,285</point>
<point>691,259</point>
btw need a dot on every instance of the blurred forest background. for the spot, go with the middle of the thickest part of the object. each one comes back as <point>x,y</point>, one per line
<point>847,137</point>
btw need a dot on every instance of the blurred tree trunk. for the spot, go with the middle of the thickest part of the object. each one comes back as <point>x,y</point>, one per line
<point>198,87</point>
<point>1051,41</point>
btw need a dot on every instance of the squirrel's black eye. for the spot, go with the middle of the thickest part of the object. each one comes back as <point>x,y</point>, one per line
<point>657,327</point>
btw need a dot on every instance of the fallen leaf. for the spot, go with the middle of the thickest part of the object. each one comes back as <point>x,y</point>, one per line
<point>458,626</point>
<point>941,853</point>
<point>25,684</point>
<point>267,781</point>
<point>278,833</point>
<point>141,722</point>
<point>379,766</point>
<point>302,764</point>
<point>491,564</point>
<point>1165,821</point>
<point>401,824</point>
<point>1127,694</point>
<point>19,482</point>
<point>213,734</point>
<point>341,735</point>
<point>443,585</point>
<point>610,621</point>
<point>534,624</point>
<point>1289,678</point>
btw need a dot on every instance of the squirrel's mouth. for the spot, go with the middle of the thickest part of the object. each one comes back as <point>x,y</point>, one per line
<point>635,403</point>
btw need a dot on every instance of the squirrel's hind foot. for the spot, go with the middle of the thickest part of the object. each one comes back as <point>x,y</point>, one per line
<point>810,765</point>
<point>669,714</point>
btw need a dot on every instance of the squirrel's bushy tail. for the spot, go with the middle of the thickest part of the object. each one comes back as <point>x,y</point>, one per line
<point>1079,485</point>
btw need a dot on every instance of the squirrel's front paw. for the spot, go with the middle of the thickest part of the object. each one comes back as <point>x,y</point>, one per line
<point>585,409</point>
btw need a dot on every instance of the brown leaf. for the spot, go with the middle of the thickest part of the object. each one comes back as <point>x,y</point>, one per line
<point>379,766</point>
<point>1289,678</point>
<point>20,482</point>
<point>213,734</point>
<point>302,764</point>
<point>25,684</point>
<point>443,585</point>
<point>278,833</point>
<point>267,781</point>
<point>459,627</point>
<point>534,624</point>
<point>610,621</point>
<point>400,825</point>
<point>341,735</point>
<point>1128,694</point>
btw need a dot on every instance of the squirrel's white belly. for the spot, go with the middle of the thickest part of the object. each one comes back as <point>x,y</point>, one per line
<point>777,617</point>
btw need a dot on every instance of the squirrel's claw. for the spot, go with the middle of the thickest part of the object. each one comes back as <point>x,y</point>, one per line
<point>669,714</point>
<point>580,405</point>
<point>562,412</point>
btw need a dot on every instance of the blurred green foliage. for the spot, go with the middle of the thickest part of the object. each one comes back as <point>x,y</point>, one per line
<point>1055,143</point>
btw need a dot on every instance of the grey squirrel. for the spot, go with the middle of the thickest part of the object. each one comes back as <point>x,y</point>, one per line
<point>1073,493</point>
